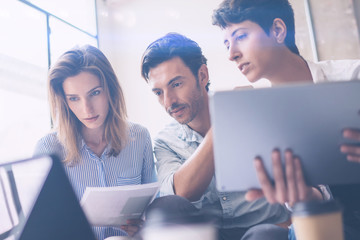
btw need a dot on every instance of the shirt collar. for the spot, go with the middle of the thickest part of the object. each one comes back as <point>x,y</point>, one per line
<point>189,135</point>
<point>84,146</point>
<point>82,143</point>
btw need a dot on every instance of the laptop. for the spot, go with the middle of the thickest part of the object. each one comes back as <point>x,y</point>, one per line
<point>309,119</point>
<point>37,202</point>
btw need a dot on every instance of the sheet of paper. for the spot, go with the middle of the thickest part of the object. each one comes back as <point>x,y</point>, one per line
<point>112,206</point>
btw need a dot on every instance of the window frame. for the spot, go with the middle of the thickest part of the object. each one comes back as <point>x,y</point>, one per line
<point>48,30</point>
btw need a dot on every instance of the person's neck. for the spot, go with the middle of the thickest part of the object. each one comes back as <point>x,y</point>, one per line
<point>93,137</point>
<point>201,123</point>
<point>291,68</point>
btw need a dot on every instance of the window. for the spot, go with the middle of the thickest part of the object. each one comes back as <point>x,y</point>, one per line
<point>34,34</point>
<point>60,40</point>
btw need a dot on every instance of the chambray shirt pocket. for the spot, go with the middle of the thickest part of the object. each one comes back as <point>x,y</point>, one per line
<point>121,181</point>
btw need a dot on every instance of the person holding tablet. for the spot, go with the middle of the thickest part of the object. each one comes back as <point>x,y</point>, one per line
<point>92,136</point>
<point>260,38</point>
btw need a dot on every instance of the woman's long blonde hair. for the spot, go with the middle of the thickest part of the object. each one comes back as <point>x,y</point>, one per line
<point>86,59</point>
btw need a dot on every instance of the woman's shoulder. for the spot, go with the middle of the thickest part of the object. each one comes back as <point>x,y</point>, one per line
<point>48,144</point>
<point>50,138</point>
<point>136,128</point>
<point>138,132</point>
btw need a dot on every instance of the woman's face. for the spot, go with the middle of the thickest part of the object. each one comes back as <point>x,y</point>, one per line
<point>87,99</point>
<point>253,51</point>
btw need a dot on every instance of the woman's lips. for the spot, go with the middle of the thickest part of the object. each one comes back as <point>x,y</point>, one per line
<point>92,119</point>
<point>244,68</point>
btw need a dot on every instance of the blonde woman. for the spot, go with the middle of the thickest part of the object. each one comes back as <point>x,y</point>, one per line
<point>98,146</point>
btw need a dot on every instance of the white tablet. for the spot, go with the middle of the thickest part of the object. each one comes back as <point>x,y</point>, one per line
<point>309,119</point>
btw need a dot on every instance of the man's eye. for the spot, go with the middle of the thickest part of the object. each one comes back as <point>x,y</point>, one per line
<point>177,84</point>
<point>157,93</point>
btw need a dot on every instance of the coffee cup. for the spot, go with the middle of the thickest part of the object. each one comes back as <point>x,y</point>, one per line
<point>118,238</point>
<point>170,226</point>
<point>318,220</point>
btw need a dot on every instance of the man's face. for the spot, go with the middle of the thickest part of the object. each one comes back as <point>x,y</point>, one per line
<point>254,52</point>
<point>177,89</point>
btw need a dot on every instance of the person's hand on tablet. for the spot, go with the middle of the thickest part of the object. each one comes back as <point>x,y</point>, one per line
<point>289,187</point>
<point>352,152</point>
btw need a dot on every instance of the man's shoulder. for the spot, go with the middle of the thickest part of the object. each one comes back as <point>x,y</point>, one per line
<point>174,139</point>
<point>172,130</point>
<point>174,135</point>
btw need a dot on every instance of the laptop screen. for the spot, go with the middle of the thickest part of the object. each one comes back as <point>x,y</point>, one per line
<point>37,202</point>
<point>20,184</point>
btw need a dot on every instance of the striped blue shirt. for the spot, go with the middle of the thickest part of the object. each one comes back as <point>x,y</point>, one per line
<point>134,165</point>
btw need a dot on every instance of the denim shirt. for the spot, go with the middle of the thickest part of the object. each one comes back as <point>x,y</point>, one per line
<point>173,146</point>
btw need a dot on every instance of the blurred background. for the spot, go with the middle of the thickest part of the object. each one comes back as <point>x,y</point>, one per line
<point>34,33</point>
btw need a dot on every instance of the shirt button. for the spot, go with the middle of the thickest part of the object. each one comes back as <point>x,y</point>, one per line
<point>224,198</point>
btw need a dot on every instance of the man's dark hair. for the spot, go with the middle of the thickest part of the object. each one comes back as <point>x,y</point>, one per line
<point>262,12</point>
<point>169,46</point>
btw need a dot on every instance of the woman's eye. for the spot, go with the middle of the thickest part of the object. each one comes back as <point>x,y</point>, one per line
<point>241,37</point>
<point>94,93</point>
<point>73,99</point>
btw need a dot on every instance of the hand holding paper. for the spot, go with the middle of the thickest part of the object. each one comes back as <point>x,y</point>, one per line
<point>113,206</point>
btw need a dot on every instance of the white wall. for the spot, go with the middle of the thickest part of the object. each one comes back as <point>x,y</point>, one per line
<point>126,28</point>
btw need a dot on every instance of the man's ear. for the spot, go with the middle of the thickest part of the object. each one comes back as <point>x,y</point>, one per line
<point>279,30</point>
<point>203,75</point>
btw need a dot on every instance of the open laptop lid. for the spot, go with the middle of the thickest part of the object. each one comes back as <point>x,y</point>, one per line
<point>37,202</point>
<point>308,119</point>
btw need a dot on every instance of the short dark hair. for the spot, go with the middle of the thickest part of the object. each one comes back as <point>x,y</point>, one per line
<point>262,12</point>
<point>169,46</point>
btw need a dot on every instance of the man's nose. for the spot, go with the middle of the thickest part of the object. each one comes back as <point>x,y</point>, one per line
<point>169,99</point>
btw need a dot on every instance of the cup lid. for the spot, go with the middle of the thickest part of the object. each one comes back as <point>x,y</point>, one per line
<point>315,207</point>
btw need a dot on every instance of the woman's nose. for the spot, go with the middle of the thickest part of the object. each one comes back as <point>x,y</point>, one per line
<point>88,107</point>
<point>234,53</point>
